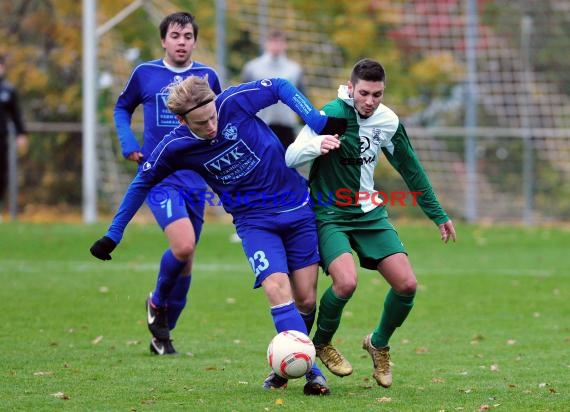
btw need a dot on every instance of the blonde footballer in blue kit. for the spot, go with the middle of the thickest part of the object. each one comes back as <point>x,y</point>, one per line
<point>346,166</point>
<point>222,139</point>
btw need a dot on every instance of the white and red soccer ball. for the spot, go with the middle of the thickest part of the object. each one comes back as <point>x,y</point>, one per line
<point>291,354</point>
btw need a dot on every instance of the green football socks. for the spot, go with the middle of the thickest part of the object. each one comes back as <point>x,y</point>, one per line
<point>396,310</point>
<point>328,319</point>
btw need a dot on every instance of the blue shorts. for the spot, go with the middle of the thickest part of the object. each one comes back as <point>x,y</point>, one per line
<point>279,242</point>
<point>169,203</point>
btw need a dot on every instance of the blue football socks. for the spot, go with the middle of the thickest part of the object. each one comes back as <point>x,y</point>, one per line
<point>170,269</point>
<point>177,299</point>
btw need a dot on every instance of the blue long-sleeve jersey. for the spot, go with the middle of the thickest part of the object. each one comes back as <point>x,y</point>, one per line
<point>244,164</point>
<point>148,86</point>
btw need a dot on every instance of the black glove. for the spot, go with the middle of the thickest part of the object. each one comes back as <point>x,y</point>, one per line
<point>335,125</point>
<point>103,247</point>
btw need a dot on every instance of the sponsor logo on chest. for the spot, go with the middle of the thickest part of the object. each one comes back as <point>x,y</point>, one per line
<point>233,163</point>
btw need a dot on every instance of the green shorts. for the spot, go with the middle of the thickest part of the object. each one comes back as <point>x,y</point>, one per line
<point>372,241</point>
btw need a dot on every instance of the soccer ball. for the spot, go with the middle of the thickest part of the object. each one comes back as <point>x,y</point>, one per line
<point>291,354</point>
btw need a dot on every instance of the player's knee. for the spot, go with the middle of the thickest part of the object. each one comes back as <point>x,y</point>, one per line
<point>277,288</point>
<point>408,286</point>
<point>345,286</point>
<point>183,250</point>
<point>306,304</point>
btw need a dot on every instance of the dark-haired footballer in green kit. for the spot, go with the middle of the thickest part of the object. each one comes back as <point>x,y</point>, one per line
<point>351,215</point>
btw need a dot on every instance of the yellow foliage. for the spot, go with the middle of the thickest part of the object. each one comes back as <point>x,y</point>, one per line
<point>434,68</point>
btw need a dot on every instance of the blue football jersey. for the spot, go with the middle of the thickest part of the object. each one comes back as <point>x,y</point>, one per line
<point>244,164</point>
<point>148,86</point>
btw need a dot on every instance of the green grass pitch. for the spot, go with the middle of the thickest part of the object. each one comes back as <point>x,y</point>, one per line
<point>490,329</point>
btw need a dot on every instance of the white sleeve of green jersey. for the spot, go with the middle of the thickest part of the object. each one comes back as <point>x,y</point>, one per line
<point>305,148</point>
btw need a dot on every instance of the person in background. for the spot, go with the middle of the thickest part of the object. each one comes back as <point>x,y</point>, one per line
<point>240,158</point>
<point>275,63</point>
<point>9,112</point>
<point>351,214</point>
<point>181,220</point>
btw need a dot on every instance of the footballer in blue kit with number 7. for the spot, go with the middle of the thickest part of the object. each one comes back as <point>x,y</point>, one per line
<point>182,221</point>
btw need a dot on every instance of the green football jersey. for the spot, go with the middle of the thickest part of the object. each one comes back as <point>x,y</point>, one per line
<point>342,181</point>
